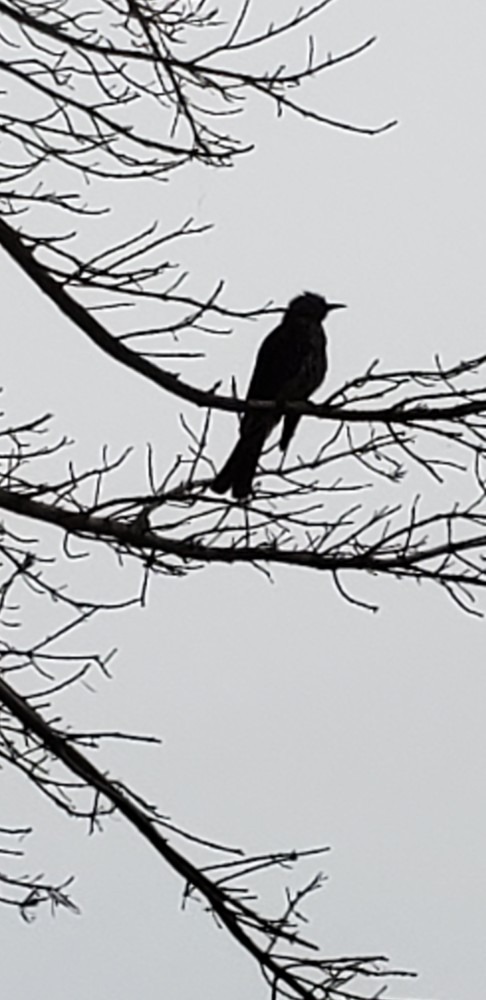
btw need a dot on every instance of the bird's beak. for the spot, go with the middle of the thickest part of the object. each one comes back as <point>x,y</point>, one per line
<point>335,305</point>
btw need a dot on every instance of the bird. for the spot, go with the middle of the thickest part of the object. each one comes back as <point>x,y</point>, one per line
<point>290,365</point>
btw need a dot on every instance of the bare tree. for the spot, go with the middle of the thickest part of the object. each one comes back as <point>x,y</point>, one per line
<point>101,101</point>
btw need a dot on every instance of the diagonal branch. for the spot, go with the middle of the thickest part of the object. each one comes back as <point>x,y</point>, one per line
<point>235,915</point>
<point>398,413</point>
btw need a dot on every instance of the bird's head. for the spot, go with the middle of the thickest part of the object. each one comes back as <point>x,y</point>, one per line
<point>312,306</point>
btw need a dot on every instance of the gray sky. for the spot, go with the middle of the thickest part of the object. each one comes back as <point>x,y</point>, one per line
<point>289,718</point>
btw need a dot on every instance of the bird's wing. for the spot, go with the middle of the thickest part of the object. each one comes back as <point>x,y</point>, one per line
<point>276,363</point>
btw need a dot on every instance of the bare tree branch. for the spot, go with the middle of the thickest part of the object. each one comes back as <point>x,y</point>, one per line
<point>263,938</point>
<point>95,101</point>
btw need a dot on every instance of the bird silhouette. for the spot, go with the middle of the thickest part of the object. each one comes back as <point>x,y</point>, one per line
<point>290,366</point>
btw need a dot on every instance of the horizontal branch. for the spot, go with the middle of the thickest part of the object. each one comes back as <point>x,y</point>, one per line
<point>400,559</point>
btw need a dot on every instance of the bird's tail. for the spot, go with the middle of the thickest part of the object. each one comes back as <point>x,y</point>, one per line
<point>238,471</point>
<point>289,427</point>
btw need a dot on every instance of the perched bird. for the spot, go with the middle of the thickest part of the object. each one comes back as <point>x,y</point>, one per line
<point>290,365</point>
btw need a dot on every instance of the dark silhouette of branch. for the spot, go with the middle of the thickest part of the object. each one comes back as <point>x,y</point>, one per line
<point>299,970</point>
<point>440,399</point>
<point>148,37</point>
<point>91,106</point>
<point>302,524</point>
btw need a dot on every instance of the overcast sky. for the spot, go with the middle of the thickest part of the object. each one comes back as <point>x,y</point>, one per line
<point>289,718</point>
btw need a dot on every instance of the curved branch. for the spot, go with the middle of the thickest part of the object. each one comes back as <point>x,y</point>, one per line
<point>401,413</point>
